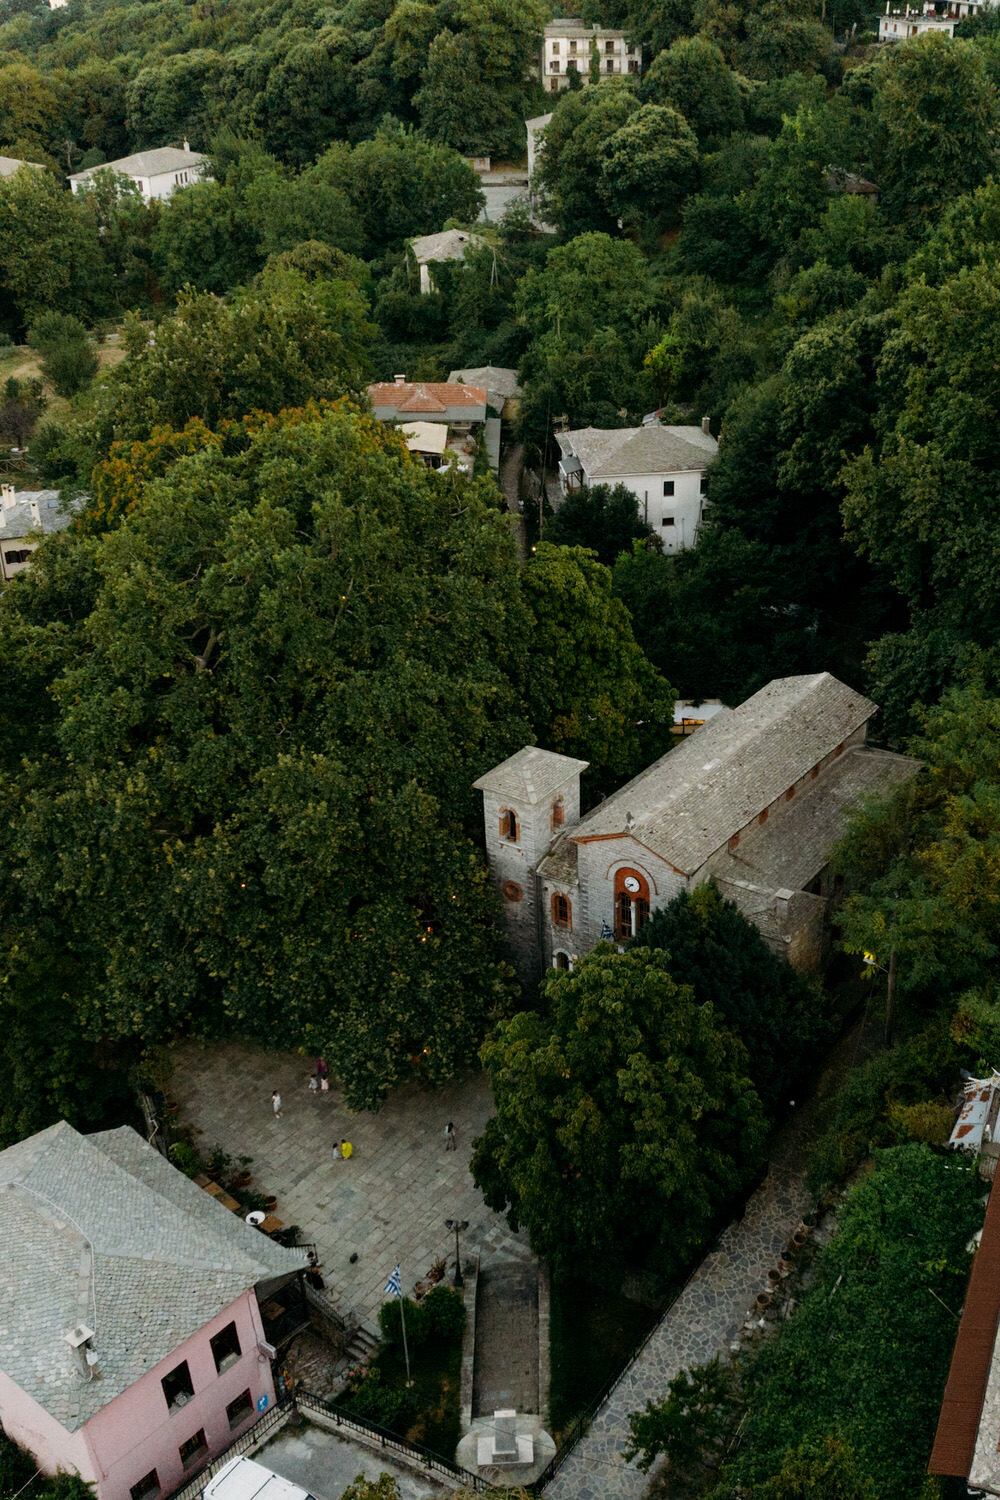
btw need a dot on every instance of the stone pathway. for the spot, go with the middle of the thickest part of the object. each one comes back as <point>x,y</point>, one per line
<point>387,1204</point>
<point>709,1314</point>
<point>506,1362</point>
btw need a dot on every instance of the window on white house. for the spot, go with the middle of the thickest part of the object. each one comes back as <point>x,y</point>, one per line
<point>667,521</point>
<point>668,487</point>
<point>702,485</point>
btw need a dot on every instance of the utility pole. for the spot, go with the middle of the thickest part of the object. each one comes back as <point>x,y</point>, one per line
<point>889,996</point>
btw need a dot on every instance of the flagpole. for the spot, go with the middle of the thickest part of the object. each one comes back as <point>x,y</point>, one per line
<point>406,1352</point>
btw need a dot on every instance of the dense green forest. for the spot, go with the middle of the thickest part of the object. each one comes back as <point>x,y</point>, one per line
<point>247,691</point>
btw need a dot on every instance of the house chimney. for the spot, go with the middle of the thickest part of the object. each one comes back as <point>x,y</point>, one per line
<point>781,901</point>
<point>9,496</point>
<point>399,379</point>
<point>706,426</point>
<point>86,1357</point>
<point>36,514</point>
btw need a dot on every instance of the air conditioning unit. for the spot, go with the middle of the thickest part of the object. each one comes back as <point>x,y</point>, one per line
<point>267,1349</point>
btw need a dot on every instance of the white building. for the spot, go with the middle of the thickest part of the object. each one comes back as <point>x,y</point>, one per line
<point>755,799</point>
<point>24,519</point>
<point>567,46</point>
<point>431,249</point>
<point>9,165</point>
<point>664,467</point>
<point>158,173</point>
<point>906,21</point>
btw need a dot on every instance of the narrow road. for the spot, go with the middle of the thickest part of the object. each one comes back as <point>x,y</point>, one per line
<point>709,1314</point>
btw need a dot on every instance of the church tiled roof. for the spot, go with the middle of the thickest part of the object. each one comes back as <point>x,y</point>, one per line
<point>531,776</point>
<point>694,798</point>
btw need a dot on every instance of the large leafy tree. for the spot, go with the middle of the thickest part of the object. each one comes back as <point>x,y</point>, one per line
<point>590,689</point>
<point>570,166</point>
<point>937,118</point>
<point>925,862</point>
<point>625,1120</point>
<point>603,518</point>
<point>50,258</point>
<point>243,808</point>
<point>778,1015</point>
<point>283,341</point>
<point>692,77</point>
<point>591,312</point>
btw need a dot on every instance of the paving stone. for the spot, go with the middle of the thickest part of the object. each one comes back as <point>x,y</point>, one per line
<point>388,1203</point>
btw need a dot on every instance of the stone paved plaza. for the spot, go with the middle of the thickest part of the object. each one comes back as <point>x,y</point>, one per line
<point>387,1204</point>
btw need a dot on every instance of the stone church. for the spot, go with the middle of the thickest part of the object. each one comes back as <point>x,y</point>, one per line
<point>755,799</point>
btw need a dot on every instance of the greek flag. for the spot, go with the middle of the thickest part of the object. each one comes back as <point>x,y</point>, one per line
<point>607,935</point>
<point>394,1285</point>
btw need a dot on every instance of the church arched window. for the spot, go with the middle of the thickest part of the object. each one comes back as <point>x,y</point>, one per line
<point>631,903</point>
<point>562,911</point>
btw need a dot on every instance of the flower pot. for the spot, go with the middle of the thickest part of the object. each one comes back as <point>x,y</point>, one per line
<point>763,1299</point>
<point>774,1277</point>
<point>270,1204</point>
<point>799,1238</point>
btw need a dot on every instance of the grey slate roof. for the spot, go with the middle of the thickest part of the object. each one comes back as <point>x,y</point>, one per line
<point>493,379</point>
<point>17,520</point>
<point>797,845</point>
<point>653,449</point>
<point>101,1230</point>
<point>531,776</point>
<point>688,803</point>
<point>448,244</point>
<point>9,165</point>
<point>147,163</point>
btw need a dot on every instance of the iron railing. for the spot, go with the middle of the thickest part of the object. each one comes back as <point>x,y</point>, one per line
<point>432,1462</point>
<point>271,1421</point>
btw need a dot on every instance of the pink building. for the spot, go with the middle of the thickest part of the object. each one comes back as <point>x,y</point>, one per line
<point>132,1346</point>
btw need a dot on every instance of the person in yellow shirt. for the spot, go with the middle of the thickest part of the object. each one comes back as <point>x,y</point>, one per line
<point>346,1150</point>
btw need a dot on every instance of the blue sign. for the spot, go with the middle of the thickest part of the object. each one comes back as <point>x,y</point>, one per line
<point>262,1402</point>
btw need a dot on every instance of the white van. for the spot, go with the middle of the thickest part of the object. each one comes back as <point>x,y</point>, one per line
<point>243,1479</point>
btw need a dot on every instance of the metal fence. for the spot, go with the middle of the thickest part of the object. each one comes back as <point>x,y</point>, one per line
<point>432,1462</point>
<point>268,1423</point>
<point>305,1402</point>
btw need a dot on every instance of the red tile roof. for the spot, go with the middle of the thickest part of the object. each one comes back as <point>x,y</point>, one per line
<point>961,1408</point>
<point>426,396</point>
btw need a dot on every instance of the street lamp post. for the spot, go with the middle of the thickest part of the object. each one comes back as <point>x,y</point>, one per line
<point>459,1226</point>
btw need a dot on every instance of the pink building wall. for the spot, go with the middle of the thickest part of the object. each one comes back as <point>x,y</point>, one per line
<point>136,1432</point>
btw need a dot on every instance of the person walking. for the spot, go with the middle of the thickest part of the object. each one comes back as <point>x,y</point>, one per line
<point>276,1104</point>
<point>313,1084</point>
<point>450,1142</point>
<point>336,1151</point>
<point>346,1150</point>
<point>323,1074</point>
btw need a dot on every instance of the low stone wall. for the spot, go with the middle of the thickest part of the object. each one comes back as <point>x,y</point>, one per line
<point>471,1272</point>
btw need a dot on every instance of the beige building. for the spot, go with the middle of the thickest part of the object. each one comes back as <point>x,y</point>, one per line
<point>754,799</point>
<point>25,517</point>
<point>567,46</point>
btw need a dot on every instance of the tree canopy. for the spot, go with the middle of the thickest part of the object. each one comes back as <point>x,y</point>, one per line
<point>624,1119</point>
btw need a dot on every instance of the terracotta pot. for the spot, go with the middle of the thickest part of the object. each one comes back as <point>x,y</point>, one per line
<point>763,1299</point>
<point>774,1277</point>
<point>270,1204</point>
<point>799,1238</point>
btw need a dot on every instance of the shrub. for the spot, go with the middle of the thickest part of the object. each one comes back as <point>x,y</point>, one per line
<point>185,1158</point>
<point>417,1323</point>
<point>68,359</point>
<point>927,1122</point>
<point>370,1397</point>
<point>445,1313</point>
